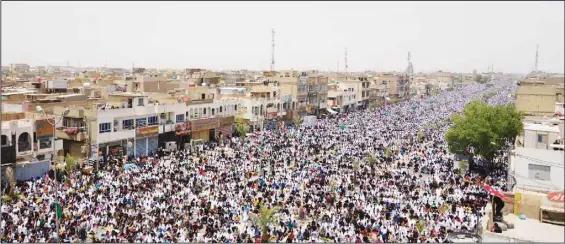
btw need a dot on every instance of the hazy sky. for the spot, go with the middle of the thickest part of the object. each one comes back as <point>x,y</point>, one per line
<point>452,36</point>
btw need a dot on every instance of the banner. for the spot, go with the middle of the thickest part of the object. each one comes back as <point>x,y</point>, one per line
<point>43,128</point>
<point>182,129</point>
<point>147,131</point>
<point>204,124</point>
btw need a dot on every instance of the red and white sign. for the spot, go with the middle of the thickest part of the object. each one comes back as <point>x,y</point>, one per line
<point>556,196</point>
<point>554,202</point>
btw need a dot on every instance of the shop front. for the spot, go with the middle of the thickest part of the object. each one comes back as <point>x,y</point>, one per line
<point>146,140</point>
<point>226,127</point>
<point>115,148</point>
<point>204,129</point>
<point>182,134</point>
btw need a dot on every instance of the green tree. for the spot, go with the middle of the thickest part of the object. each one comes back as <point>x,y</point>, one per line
<point>485,128</point>
<point>242,129</point>
<point>265,218</point>
<point>70,163</point>
<point>298,121</point>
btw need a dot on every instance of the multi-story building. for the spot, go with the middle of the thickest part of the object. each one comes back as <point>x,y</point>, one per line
<point>27,144</point>
<point>19,68</point>
<point>341,97</point>
<point>128,124</point>
<point>534,97</point>
<point>317,93</point>
<point>397,84</point>
<point>151,83</point>
<point>356,85</point>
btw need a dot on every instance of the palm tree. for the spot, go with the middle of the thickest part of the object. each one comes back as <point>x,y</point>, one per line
<point>242,129</point>
<point>298,121</point>
<point>265,218</point>
<point>70,163</point>
<point>11,180</point>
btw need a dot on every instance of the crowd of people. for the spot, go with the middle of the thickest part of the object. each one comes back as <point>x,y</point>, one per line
<point>375,175</point>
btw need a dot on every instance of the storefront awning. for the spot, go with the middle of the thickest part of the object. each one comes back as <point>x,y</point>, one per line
<point>331,111</point>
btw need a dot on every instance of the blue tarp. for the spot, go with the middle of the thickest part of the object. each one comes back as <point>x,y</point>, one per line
<point>130,166</point>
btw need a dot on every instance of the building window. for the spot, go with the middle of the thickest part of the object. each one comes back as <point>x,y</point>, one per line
<point>539,172</point>
<point>140,102</point>
<point>213,111</point>
<point>221,109</point>
<point>127,124</point>
<point>140,122</point>
<point>104,127</point>
<point>152,120</point>
<point>235,107</point>
<point>204,111</point>
<point>180,118</point>
<point>4,140</point>
<point>542,138</point>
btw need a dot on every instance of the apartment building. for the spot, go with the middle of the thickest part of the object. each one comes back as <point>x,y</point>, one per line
<point>397,85</point>
<point>341,97</point>
<point>127,124</point>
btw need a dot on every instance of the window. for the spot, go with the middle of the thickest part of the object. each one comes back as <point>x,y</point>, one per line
<point>204,111</point>
<point>140,122</point>
<point>180,118</point>
<point>152,120</point>
<point>127,124</point>
<point>104,127</point>
<point>539,172</point>
<point>4,140</point>
<point>221,109</point>
<point>203,96</point>
<point>542,138</point>
<point>140,102</point>
<point>213,111</point>
<point>235,107</point>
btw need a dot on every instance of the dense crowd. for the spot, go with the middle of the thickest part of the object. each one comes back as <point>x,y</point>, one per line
<point>376,175</point>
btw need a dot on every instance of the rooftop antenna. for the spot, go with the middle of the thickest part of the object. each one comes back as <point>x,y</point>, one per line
<point>410,70</point>
<point>537,57</point>
<point>346,60</point>
<point>273,50</point>
<point>337,67</point>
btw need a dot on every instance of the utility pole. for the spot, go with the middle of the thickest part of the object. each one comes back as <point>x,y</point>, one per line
<point>273,50</point>
<point>346,60</point>
<point>537,57</point>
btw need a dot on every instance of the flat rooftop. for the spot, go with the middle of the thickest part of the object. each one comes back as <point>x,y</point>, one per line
<point>530,230</point>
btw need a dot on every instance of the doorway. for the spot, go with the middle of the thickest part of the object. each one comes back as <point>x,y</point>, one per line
<point>213,135</point>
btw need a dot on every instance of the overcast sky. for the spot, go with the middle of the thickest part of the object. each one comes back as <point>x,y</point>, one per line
<point>451,36</point>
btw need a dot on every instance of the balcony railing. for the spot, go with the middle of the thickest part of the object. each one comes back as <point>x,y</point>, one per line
<point>200,101</point>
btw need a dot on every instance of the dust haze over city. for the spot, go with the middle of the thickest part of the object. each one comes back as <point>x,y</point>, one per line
<point>453,36</point>
<point>296,122</point>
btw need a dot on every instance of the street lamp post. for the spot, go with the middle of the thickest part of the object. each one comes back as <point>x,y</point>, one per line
<point>65,112</point>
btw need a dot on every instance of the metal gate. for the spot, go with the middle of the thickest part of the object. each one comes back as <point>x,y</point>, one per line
<point>152,145</point>
<point>140,147</point>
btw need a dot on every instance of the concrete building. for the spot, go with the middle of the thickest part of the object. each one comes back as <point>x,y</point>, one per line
<point>19,68</point>
<point>397,84</point>
<point>341,97</point>
<point>538,176</point>
<point>536,98</point>
<point>27,144</point>
<point>152,83</point>
<point>542,136</point>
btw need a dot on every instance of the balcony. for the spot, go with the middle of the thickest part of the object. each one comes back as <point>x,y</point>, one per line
<point>71,133</point>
